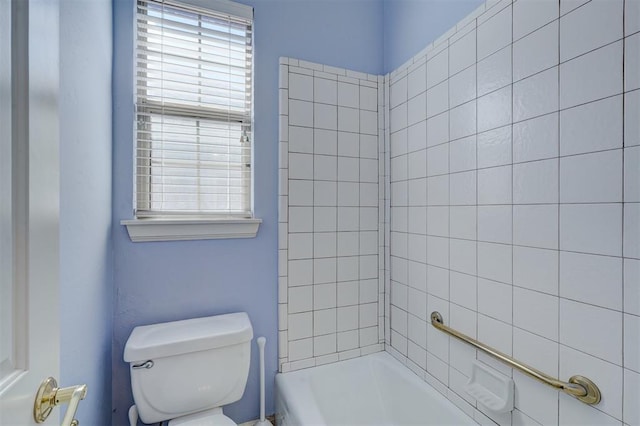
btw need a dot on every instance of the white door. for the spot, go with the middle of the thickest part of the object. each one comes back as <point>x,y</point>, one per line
<point>29,205</point>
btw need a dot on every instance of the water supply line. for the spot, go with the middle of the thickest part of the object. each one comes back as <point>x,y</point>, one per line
<point>263,420</point>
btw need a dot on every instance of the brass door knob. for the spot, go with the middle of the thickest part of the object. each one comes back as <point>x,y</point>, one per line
<point>49,395</point>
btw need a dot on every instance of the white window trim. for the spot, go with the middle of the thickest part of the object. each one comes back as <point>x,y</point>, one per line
<point>147,230</point>
<point>187,229</point>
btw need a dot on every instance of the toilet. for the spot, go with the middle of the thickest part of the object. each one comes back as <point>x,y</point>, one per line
<point>186,371</point>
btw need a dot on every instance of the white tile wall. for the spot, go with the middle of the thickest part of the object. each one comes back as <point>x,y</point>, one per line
<point>593,76</point>
<point>536,52</point>
<point>596,126</point>
<point>331,280</point>
<point>535,139</point>
<point>531,15</point>
<point>495,71</point>
<point>494,33</point>
<point>532,212</point>
<point>494,109</point>
<point>535,95</point>
<point>494,147</point>
<point>494,178</point>
<point>574,40</point>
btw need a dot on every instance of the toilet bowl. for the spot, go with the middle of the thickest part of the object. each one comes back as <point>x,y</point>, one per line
<point>186,371</point>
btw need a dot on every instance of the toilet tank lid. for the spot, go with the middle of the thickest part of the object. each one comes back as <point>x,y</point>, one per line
<point>192,335</point>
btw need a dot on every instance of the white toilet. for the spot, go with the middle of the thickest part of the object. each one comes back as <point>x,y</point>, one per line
<point>185,371</point>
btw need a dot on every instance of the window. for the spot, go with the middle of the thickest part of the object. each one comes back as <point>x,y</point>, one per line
<point>193,82</point>
<point>193,72</point>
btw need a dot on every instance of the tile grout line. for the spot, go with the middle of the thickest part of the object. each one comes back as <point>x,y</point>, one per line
<point>559,133</point>
<point>622,221</point>
<point>313,220</point>
<point>512,195</point>
<point>448,146</point>
<point>337,208</point>
<point>476,245</point>
<point>359,280</point>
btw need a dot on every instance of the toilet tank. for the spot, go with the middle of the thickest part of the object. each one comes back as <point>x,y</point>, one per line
<point>182,367</point>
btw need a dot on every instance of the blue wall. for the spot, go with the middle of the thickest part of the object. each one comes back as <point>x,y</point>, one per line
<point>86,264</point>
<point>155,282</point>
<point>410,25</point>
<point>167,281</point>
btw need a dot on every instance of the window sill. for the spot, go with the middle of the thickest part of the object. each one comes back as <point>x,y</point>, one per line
<point>145,230</point>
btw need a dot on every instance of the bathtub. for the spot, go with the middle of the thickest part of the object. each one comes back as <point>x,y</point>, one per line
<point>372,390</point>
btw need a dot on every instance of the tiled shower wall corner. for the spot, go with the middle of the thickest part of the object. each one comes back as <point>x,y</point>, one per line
<point>331,262</point>
<point>508,166</point>
<point>515,204</point>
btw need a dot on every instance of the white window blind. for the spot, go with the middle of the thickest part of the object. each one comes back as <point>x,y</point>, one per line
<point>193,111</point>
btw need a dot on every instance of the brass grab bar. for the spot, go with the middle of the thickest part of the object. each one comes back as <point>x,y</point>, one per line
<point>578,386</point>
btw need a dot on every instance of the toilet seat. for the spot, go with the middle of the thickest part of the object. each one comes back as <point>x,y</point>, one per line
<point>213,417</point>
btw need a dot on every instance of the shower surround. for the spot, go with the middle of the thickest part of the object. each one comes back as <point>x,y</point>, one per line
<point>509,201</point>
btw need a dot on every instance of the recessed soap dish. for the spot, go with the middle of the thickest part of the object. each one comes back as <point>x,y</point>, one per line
<point>490,388</point>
